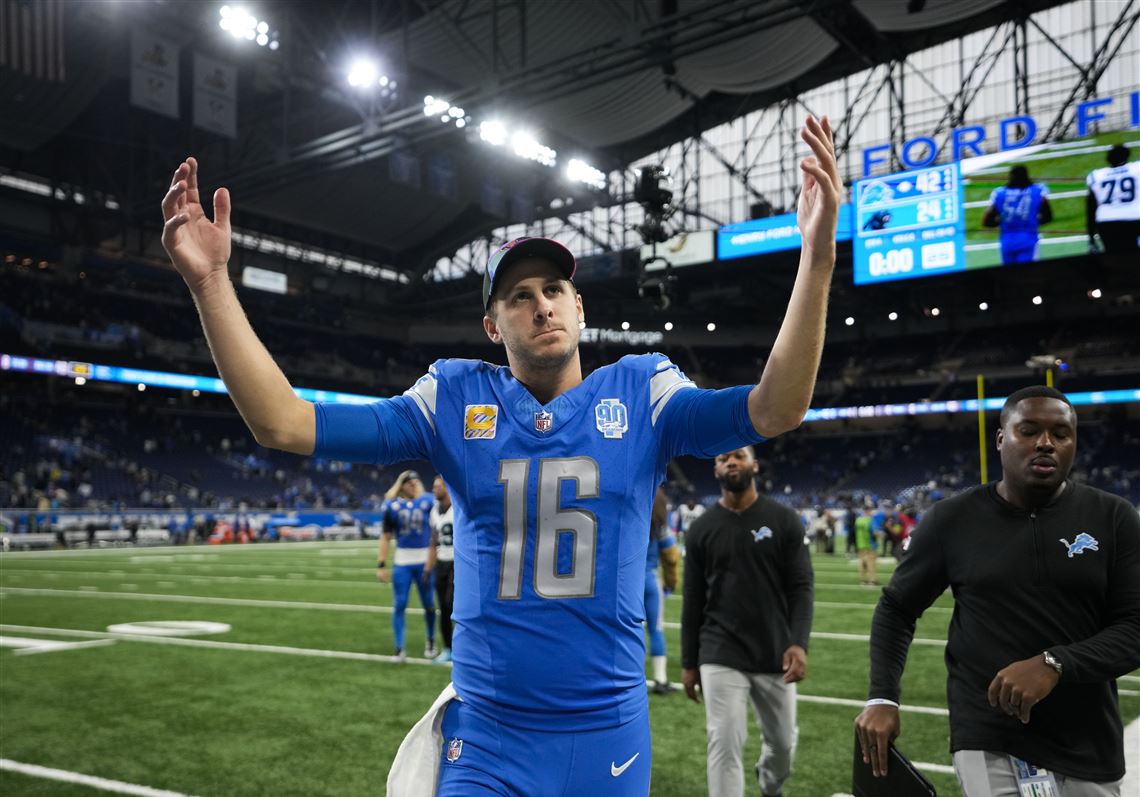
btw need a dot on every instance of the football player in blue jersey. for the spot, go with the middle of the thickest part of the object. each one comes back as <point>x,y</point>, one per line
<point>406,511</point>
<point>663,549</point>
<point>552,476</point>
<point>1018,208</point>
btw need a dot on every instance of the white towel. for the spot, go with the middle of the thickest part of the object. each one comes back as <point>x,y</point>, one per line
<point>415,770</point>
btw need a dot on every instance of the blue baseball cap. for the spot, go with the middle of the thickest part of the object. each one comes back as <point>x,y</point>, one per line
<point>520,248</point>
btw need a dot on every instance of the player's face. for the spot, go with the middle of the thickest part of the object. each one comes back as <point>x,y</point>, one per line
<point>736,469</point>
<point>1037,444</point>
<point>439,489</point>
<point>411,488</point>
<point>537,313</point>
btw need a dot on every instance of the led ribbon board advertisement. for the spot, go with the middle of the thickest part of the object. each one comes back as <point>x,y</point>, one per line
<point>773,234</point>
<point>909,225</point>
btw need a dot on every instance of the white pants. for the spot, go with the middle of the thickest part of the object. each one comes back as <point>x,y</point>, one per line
<point>986,774</point>
<point>727,693</point>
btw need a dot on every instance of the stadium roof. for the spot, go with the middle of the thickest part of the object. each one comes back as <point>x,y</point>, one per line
<point>609,80</point>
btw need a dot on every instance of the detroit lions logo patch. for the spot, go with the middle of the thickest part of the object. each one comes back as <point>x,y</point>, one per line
<point>762,533</point>
<point>1083,542</point>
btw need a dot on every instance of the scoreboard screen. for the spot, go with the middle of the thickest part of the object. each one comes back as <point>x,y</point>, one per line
<point>909,224</point>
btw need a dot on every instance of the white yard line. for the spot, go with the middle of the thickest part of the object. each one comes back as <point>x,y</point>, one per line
<point>210,643</point>
<point>117,786</point>
<point>265,604</point>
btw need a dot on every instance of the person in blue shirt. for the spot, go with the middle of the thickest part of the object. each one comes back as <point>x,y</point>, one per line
<point>1018,208</point>
<point>552,476</point>
<point>406,510</point>
<point>663,548</point>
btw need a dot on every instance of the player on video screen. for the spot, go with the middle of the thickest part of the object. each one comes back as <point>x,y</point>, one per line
<point>1112,207</point>
<point>1019,207</point>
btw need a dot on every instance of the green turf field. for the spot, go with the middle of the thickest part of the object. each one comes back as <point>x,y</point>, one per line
<point>1062,167</point>
<point>297,699</point>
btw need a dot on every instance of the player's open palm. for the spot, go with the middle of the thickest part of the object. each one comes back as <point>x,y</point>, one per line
<point>198,247</point>
<point>818,211</point>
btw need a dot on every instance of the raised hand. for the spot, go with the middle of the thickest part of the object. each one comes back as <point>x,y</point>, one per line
<point>818,211</point>
<point>198,247</point>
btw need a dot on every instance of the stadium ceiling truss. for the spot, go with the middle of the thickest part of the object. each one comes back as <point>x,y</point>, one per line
<point>267,157</point>
<point>615,231</point>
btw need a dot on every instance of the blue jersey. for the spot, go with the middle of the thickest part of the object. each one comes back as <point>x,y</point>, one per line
<point>409,520</point>
<point>1018,207</point>
<point>552,514</point>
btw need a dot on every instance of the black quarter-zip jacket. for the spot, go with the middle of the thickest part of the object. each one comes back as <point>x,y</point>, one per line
<point>1024,582</point>
<point>748,588</point>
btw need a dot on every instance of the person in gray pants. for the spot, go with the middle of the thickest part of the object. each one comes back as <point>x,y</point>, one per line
<point>745,625</point>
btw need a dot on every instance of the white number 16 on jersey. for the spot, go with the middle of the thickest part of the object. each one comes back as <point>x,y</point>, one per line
<point>552,522</point>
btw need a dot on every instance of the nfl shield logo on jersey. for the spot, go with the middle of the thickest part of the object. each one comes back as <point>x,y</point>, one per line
<point>612,418</point>
<point>543,421</point>
<point>454,750</point>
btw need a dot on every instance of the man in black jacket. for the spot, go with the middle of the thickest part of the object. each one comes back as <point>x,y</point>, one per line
<point>1046,580</point>
<point>745,623</point>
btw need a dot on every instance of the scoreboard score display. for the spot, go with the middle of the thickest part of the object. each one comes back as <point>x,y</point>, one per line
<point>909,224</point>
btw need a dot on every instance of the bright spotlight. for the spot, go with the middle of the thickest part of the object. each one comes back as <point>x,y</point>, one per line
<point>526,146</point>
<point>362,73</point>
<point>263,27</point>
<point>262,39</point>
<point>668,326</point>
<point>711,327</point>
<point>273,45</point>
<point>934,311</point>
<point>493,132</point>
<point>849,321</point>
<point>581,172</point>
<point>1095,293</point>
<point>79,380</point>
<point>1037,300</point>
<point>983,306</point>
<point>461,123</point>
<point>383,80</point>
<point>142,387</point>
<point>893,316</point>
<point>625,325</point>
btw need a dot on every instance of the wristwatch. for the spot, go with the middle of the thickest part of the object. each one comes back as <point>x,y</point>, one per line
<point>1053,662</point>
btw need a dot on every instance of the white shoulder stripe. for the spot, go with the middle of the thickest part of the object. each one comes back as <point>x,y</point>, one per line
<point>423,393</point>
<point>661,381</point>
<point>668,395</point>
<point>662,386</point>
<point>663,365</point>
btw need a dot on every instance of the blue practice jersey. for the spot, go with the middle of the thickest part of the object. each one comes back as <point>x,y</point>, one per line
<point>409,520</point>
<point>552,513</point>
<point>1019,207</point>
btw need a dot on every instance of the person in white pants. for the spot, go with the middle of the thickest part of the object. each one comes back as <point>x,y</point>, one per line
<point>745,626</point>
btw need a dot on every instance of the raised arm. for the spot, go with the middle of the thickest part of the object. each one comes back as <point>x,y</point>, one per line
<point>778,403</point>
<point>200,251</point>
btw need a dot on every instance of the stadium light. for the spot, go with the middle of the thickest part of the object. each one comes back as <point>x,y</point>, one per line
<point>711,327</point>
<point>362,73</point>
<point>581,172</point>
<point>525,145</point>
<point>983,306</point>
<point>668,326</point>
<point>79,380</point>
<point>625,326</point>
<point>493,132</point>
<point>142,387</point>
<point>893,316</point>
<point>241,24</point>
<point>1095,293</point>
<point>1037,300</point>
<point>849,321</point>
<point>934,311</point>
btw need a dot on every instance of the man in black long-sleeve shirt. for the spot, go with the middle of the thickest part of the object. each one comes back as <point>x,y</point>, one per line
<point>1046,580</point>
<point>745,623</point>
